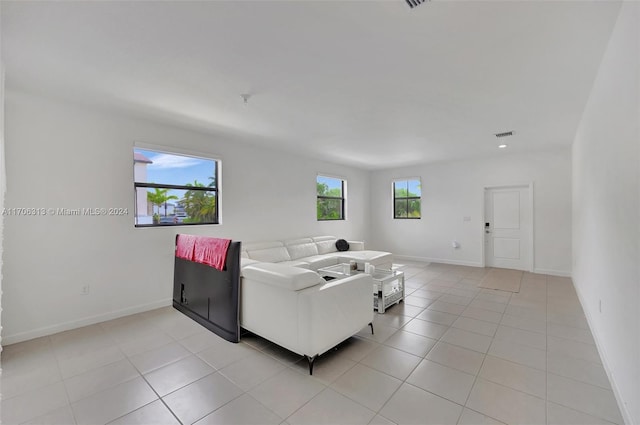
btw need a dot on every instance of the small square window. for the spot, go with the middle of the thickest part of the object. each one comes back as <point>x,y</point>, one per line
<point>331,199</point>
<point>407,199</point>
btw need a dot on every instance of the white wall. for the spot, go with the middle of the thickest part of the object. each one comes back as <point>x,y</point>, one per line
<point>606,211</point>
<point>61,155</point>
<point>453,190</point>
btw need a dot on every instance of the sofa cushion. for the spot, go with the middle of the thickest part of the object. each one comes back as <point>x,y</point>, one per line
<point>323,260</point>
<point>301,248</point>
<point>296,263</point>
<point>323,238</point>
<point>298,241</point>
<point>255,246</point>
<point>287,277</point>
<point>270,255</point>
<point>247,262</point>
<point>356,245</point>
<point>327,246</point>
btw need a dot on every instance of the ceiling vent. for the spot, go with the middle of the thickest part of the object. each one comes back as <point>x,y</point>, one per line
<point>505,134</point>
<point>414,3</point>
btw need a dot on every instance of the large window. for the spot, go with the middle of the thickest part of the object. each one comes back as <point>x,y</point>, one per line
<point>406,198</point>
<point>331,197</point>
<point>173,189</point>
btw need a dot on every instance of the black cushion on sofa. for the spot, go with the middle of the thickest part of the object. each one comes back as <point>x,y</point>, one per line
<point>342,245</point>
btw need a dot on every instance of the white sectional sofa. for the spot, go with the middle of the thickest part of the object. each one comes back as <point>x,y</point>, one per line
<point>312,253</point>
<point>284,300</point>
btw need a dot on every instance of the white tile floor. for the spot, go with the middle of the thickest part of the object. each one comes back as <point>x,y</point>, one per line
<point>451,354</point>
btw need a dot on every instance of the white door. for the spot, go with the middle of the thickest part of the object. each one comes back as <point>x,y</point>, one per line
<point>507,229</point>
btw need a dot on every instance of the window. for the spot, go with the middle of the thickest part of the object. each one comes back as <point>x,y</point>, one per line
<point>173,189</point>
<point>406,198</point>
<point>330,198</point>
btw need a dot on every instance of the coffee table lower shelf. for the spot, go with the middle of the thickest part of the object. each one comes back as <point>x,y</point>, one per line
<point>380,303</point>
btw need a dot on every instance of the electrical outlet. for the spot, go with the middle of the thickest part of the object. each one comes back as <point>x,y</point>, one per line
<point>84,290</point>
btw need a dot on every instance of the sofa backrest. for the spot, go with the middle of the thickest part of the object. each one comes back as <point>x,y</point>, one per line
<point>299,248</point>
<point>269,252</point>
<point>325,244</point>
<point>292,249</point>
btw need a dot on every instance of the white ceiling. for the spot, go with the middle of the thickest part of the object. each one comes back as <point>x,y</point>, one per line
<point>373,84</point>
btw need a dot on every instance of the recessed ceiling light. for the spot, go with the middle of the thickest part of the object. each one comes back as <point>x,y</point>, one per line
<point>502,146</point>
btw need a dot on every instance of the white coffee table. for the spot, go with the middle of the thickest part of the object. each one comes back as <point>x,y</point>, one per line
<point>388,285</point>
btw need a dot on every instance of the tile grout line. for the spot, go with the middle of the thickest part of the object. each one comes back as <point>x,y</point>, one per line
<point>288,367</point>
<point>156,393</point>
<point>404,381</point>
<point>62,379</point>
<point>425,358</point>
<point>73,413</point>
<point>477,375</point>
<point>215,370</point>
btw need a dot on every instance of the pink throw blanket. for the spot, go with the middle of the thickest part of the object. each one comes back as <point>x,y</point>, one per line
<point>211,251</point>
<point>186,246</point>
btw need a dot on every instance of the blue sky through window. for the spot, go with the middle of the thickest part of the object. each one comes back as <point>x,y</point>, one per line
<point>175,169</point>
<point>332,183</point>
<point>404,188</point>
<point>414,187</point>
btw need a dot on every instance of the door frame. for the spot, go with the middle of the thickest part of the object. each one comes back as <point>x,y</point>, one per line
<point>531,210</point>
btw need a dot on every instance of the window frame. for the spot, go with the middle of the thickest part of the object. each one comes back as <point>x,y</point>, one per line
<point>145,185</point>
<point>405,198</point>
<point>342,198</point>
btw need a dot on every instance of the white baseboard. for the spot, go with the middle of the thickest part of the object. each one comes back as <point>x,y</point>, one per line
<point>61,327</point>
<point>626,415</point>
<point>437,260</point>
<point>561,273</point>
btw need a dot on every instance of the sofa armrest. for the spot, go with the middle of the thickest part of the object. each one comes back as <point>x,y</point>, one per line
<point>245,262</point>
<point>356,245</point>
<point>284,276</point>
<point>334,311</point>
